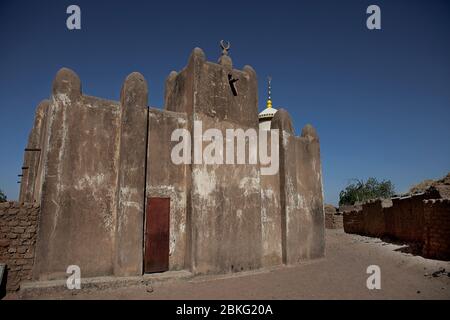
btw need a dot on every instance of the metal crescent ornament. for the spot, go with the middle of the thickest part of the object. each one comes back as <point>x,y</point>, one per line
<point>225,47</point>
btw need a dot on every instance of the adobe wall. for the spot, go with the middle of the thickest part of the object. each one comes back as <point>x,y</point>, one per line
<point>225,212</point>
<point>286,222</point>
<point>408,218</point>
<point>412,219</point>
<point>168,180</point>
<point>338,221</point>
<point>301,196</point>
<point>354,222</point>
<point>18,229</point>
<point>333,218</point>
<point>390,221</point>
<point>209,83</point>
<point>271,217</point>
<point>373,217</point>
<point>329,211</point>
<point>93,180</point>
<point>80,183</point>
<point>309,182</point>
<point>399,218</point>
<point>437,229</point>
<point>128,238</point>
<point>30,186</point>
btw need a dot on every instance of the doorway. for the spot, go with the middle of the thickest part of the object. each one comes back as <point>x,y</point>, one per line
<point>157,223</point>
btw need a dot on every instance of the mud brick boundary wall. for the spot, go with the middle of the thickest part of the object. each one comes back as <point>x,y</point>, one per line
<point>333,221</point>
<point>404,219</point>
<point>18,229</point>
<point>412,219</point>
<point>354,222</point>
<point>333,218</point>
<point>436,234</point>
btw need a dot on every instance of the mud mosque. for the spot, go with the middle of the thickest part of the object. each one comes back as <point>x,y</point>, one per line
<point>113,202</point>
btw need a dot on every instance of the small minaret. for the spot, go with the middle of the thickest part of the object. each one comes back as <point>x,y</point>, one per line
<point>265,117</point>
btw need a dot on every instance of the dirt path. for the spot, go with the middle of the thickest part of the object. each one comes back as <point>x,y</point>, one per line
<point>341,275</point>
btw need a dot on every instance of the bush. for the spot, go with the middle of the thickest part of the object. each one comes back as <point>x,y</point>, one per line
<point>361,190</point>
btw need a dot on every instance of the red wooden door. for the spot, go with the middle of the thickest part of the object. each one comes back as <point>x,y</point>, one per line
<point>157,235</point>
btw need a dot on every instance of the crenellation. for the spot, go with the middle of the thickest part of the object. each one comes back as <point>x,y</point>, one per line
<point>66,85</point>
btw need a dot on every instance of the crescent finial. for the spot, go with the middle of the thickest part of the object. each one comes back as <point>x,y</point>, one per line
<point>225,47</point>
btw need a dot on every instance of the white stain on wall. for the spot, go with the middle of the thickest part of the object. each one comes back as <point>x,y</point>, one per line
<point>205,183</point>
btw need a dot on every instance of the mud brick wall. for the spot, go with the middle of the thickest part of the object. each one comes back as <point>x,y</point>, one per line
<point>390,225</point>
<point>330,211</point>
<point>401,218</point>
<point>333,220</point>
<point>92,188</point>
<point>18,226</point>
<point>407,218</point>
<point>338,221</point>
<point>354,222</point>
<point>374,223</point>
<point>411,219</point>
<point>437,229</point>
<point>329,221</point>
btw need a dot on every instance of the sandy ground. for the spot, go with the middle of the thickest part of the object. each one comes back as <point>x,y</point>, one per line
<point>340,275</point>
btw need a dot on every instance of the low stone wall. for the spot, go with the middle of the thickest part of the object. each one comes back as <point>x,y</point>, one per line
<point>436,234</point>
<point>354,222</point>
<point>333,218</point>
<point>338,221</point>
<point>18,226</point>
<point>411,219</point>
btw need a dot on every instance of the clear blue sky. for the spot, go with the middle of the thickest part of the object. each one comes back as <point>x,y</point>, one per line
<point>380,100</point>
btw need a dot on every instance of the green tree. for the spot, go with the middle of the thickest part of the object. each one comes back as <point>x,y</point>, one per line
<point>360,190</point>
<point>2,196</point>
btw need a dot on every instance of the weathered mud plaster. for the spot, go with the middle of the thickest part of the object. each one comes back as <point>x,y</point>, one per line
<point>302,212</point>
<point>167,180</point>
<point>224,212</point>
<point>29,188</point>
<point>271,223</point>
<point>131,176</point>
<point>100,160</point>
<point>79,182</point>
